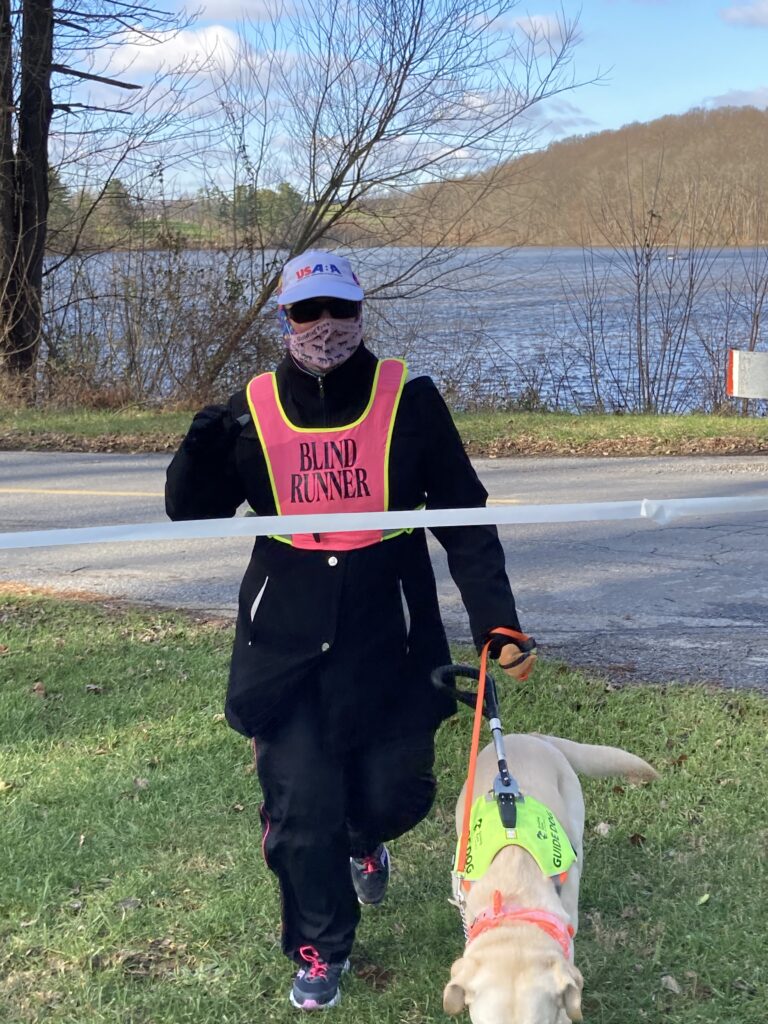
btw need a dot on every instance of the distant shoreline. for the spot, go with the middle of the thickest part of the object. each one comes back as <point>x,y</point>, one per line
<point>219,247</point>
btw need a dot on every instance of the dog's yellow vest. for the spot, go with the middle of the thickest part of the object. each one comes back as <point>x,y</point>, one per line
<point>537,830</point>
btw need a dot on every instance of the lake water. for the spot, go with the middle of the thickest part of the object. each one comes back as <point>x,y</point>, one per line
<point>568,328</point>
<point>579,329</point>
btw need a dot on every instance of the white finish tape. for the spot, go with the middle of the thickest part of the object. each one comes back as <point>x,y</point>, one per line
<point>661,511</point>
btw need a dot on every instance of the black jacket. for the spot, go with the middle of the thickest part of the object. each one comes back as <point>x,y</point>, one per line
<point>363,626</point>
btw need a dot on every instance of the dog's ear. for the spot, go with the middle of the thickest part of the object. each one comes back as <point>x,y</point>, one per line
<point>454,994</point>
<point>453,998</point>
<point>572,983</point>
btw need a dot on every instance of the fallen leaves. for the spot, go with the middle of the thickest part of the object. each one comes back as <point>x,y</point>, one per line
<point>519,443</point>
<point>671,984</point>
<point>128,904</point>
<point>744,986</point>
<point>515,442</point>
<point>699,990</point>
<point>33,440</point>
<point>376,977</point>
<point>608,934</point>
<point>159,957</point>
<point>694,986</point>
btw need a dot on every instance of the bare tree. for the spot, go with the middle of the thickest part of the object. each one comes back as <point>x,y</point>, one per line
<point>24,185</point>
<point>39,45</point>
<point>360,102</point>
<point>637,345</point>
<point>745,288</point>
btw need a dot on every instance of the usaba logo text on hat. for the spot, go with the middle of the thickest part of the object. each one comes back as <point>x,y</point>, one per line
<point>320,268</point>
<point>318,273</point>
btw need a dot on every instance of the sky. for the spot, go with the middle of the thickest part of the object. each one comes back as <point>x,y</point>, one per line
<point>655,57</point>
<point>668,56</point>
<point>638,59</point>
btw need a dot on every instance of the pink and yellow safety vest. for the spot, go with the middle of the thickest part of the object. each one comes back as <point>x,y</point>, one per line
<point>330,469</point>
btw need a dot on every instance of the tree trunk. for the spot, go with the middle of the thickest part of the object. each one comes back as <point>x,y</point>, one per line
<point>31,182</point>
<point>7,171</point>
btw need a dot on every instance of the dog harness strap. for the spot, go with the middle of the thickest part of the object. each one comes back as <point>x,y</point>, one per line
<point>537,831</point>
<point>502,914</point>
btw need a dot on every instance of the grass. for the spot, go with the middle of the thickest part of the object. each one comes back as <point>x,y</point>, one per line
<point>569,428</point>
<point>134,888</point>
<point>484,433</point>
<point>90,423</point>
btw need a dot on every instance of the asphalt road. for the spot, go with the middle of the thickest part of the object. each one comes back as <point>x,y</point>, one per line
<point>634,600</point>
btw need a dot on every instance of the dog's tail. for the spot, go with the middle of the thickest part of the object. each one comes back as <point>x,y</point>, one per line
<point>602,762</point>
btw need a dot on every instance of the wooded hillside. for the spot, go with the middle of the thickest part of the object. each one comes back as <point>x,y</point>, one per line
<point>702,176</point>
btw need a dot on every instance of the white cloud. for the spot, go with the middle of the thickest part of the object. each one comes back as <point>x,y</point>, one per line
<point>558,118</point>
<point>740,98</point>
<point>544,29</point>
<point>195,48</point>
<point>479,101</point>
<point>567,119</point>
<point>752,15</point>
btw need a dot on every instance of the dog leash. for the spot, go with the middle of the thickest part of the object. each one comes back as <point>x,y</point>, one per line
<point>485,702</point>
<point>507,795</point>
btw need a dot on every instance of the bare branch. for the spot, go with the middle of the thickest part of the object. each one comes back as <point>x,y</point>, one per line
<point>62,69</point>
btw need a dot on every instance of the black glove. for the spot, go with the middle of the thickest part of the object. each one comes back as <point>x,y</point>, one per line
<point>212,432</point>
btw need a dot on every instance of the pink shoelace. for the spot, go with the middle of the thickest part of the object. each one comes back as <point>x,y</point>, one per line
<point>318,966</point>
<point>371,865</point>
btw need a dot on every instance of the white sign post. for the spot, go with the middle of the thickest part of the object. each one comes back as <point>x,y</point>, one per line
<point>747,374</point>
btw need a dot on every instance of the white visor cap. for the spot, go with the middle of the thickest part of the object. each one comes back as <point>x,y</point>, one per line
<point>316,273</point>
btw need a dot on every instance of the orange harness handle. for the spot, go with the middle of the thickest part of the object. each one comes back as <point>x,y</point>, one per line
<point>525,643</point>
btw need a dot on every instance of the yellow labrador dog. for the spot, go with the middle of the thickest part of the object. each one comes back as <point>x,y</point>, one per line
<point>517,967</point>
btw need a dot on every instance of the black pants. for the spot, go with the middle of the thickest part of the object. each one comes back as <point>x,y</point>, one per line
<point>322,807</point>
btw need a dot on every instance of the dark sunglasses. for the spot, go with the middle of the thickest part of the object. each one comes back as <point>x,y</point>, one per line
<point>307,310</point>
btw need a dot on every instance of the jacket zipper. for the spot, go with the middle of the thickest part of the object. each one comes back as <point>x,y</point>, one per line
<point>321,389</point>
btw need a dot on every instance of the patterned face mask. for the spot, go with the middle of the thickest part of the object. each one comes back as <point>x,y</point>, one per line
<point>326,345</point>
